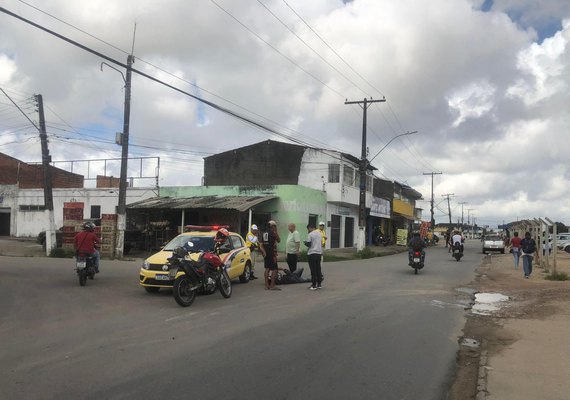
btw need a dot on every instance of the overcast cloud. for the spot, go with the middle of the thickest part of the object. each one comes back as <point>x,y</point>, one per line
<point>484,82</point>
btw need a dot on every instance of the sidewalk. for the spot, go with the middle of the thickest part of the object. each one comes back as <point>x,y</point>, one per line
<point>20,247</point>
<point>524,348</point>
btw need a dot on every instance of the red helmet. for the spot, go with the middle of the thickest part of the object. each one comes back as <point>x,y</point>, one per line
<point>222,234</point>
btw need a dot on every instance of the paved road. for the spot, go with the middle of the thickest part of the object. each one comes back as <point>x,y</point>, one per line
<point>375,331</point>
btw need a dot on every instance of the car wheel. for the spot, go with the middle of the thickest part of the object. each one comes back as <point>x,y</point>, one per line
<point>151,289</point>
<point>245,277</point>
<point>567,249</point>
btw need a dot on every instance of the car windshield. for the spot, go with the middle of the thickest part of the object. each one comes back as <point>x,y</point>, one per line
<point>201,243</point>
<point>493,238</point>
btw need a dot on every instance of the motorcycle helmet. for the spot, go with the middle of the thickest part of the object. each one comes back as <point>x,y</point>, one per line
<point>89,226</point>
<point>222,235</point>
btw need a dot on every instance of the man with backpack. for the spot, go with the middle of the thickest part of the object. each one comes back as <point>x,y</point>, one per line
<point>528,249</point>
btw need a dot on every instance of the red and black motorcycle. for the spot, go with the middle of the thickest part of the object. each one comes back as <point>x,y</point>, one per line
<point>201,271</point>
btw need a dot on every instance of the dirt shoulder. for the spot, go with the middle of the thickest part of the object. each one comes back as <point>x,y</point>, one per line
<point>521,349</point>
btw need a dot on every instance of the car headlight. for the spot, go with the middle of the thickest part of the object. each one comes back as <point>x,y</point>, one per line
<point>146,264</point>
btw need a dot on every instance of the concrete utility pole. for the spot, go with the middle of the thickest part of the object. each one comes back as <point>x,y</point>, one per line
<point>448,195</point>
<point>364,104</point>
<point>122,207</point>
<point>431,209</point>
<point>462,204</point>
<point>48,190</point>
<point>469,220</point>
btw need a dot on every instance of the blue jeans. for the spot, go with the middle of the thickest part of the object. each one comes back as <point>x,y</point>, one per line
<point>527,265</point>
<point>516,256</point>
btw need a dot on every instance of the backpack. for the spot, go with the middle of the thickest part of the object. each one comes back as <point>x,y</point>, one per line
<point>529,246</point>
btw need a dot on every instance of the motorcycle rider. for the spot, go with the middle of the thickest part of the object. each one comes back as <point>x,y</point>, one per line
<point>221,236</point>
<point>416,244</point>
<point>457,238</point>
<point>86,243</point>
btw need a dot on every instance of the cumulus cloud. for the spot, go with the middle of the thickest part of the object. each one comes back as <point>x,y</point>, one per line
<point>487,91</point>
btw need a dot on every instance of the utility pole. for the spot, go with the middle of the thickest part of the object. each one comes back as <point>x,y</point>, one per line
<point>122,207</point>
<point>448,195</point>
<point>462,204</point>
<point>469,221</point>
<point>48,190</point>
<point>431,209</point>
<point>364,104</point>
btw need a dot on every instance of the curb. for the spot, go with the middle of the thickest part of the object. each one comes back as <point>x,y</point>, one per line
<point>482,377</point>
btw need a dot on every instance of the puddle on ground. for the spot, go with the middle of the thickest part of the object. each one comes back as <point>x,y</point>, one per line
<point>486,303</point>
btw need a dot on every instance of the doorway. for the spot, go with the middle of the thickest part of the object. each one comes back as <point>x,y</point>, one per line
<point>5,222</point>
<point>349,232</point>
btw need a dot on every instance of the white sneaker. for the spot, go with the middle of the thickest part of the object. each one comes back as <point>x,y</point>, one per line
<point>319,287</point>
<point>312,288</point>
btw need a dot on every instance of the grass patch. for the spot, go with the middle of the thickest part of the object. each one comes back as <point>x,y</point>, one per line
<point>59,252</point>
<point>558,276</point>
<point>366,253</point>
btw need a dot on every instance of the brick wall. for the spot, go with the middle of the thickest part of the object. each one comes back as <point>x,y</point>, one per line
<point>107,182</point>
<point>29,176</point>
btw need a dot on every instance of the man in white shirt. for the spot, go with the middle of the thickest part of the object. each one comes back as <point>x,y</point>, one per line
<point>457,238</point>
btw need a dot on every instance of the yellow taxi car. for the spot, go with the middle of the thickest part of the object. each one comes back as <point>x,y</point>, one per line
<point>233,252</point>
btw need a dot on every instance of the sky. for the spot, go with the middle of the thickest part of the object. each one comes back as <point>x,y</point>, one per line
<point>483,82</point>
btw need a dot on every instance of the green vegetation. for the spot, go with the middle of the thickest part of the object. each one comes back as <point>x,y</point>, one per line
<point>557,276</point>
<point>61,253</point>
<point>366,253</point>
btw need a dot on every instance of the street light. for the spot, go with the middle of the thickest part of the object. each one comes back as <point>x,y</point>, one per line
<point>362,202</point>
<point>390,141</point>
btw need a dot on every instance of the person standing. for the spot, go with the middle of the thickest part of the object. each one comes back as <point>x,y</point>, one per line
<point>315,244</point>
<point>323,232</point>
<point>292,247</point>
<point>516,248</point>
<point>529,248</point>
<point>252,242</point>
<point>268,248</point>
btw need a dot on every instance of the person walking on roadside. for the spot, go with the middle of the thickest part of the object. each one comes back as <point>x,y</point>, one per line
<point>268,248</point>
<point>314,253</point>
<point>292,247</point>
<point>516,248</point>
<point>528,247</point>
<point>252,242</point>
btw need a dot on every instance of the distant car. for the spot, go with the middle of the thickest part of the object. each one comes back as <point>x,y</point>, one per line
<point>493,243</point>
<point>153,276</point>
<point>562,240</point>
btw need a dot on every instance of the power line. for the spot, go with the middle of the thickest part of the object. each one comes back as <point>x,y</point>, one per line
<point>313,50</point>
<point>277,50</point>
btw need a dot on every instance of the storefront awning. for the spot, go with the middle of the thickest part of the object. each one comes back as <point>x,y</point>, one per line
<point>239,203</point>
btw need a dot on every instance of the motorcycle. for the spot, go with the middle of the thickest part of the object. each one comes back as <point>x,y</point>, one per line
<point>383,240</point>
<point>456,251</point>
<point>417,262</point>
<point>205,273</point>
<point>85,267</point>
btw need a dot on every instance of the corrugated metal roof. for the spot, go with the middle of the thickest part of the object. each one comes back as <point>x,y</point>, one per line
<point>239,203</point>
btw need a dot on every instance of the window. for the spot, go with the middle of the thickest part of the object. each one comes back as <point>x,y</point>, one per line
<point>348,175</point>
<point>334,173</point>
<point>32,208</point>
<point>95,211</point>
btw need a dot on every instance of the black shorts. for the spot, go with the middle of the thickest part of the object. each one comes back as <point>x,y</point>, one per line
<point>270,263</point>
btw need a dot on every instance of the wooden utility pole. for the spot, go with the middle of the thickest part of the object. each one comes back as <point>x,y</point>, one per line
<point>364,104</point>
<point>431,209</point>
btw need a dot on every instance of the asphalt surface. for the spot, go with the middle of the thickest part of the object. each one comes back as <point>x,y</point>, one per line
<point>375,331</point>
